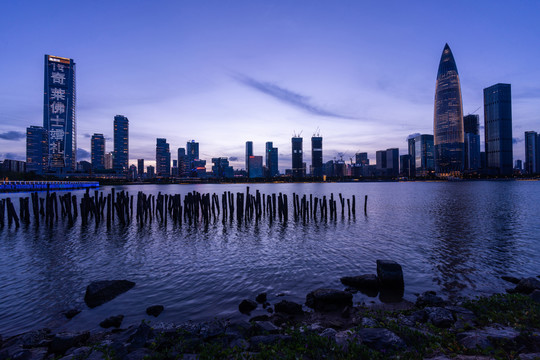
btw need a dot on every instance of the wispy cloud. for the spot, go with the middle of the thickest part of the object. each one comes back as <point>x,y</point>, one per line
<point>82,154</point>
<point>12,135</point>
<point>516,140</point>
<point>287,96</point>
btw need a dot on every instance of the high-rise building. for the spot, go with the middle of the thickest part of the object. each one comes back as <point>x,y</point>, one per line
<point>183,162</point>
<point>221,168</point>
<point>163,158</point>
<point>448,118</point>
<point>392,162</point>
<point>97,147</point>
<point>298,170</point>
<point>150,172</point>
<point>412,153</point>
<point>59,113</point>
<point>532,152</point>
<point>121,144</point>
<point>109,160</point>
<point>380,157</point>
<point>362,159</point>
<point>192,149</point>
<point>249,152</point>
<point>316,156</point>
<point>271,154</point>
<point>140,168</point>
<point>471,125</point>
<point>498,129</point>
<point>404,165</point>
<point>424,156</point>
<point>37,149</point>
<point>255,167</point>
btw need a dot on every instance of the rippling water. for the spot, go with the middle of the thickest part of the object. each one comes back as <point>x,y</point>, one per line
<point>455,238</point>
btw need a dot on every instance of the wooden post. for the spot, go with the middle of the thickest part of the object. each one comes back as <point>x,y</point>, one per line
<point>365,206</point>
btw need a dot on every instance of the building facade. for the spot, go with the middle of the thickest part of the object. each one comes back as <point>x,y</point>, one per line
<point>97,149</point>
<point>498,129</point>
<point>59,117</point>
<point>255,166</point>
<point>163,158</point>
<point>221,168</point>
<point>121,144</point>
<point>317,156</point>
<point>448,118</point>
<point>392,162</point>
<point>471,126</point>
<point>271,154</point>
<point>249,152</point>
<point>424,155</point>
<point>298,170</point>
<point>140,168</point>
<point>37,149</point>
<point>532,152</point>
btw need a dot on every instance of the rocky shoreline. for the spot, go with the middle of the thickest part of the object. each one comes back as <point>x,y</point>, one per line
<point>501,326</point>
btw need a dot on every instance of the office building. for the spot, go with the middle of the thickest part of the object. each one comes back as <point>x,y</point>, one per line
<point>298,170</point>
<point>412,154</point>
<point>174,169</point>
<point>519,165</point>
<point>532,152</point>
<point>183,163</point>
<point>121,144</point>
<point>16,166</point>
<point>498,129</point>
<point>316,156</point>
<point>255,166</point>
<point>59,117</point>
<point>249,152</point>
<point>97,148</point>
<point>380,158</point>
<point>471,125</point>
<point>132,172</point>
<point>163,158</point>
<point>423,157</point>
<point>221,168</point>
<point>271,154</point>
<point>37,149</point>
<point>404,165</point>
<point>392,162</point>
<point>150,172</point>
<point>109,160</point>
<point>140,168</point>
<point>448,118</point>
<point>361,159</point>
<point>192,149</point>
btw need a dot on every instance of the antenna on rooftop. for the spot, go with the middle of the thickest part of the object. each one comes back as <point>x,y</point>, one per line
<point>317,132</point>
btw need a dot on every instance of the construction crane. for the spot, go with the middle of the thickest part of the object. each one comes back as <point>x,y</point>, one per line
<point>478,108</point>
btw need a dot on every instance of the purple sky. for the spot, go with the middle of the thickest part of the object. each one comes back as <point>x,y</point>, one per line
<point>224,72</point>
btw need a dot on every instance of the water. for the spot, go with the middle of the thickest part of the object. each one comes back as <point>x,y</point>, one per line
<point>456,238</point>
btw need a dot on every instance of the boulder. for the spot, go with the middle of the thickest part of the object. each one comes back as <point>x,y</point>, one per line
<point>100,292</point>
<point>380,339</point>
<point>261,298</point>
<point>390,274</point>
<point>328,333</point>
<point>288,307</point>
<point>113,321</point>
<point>328,299</point>
<point>36,338</point>
<point>260,318</point>
<point>64,341</point>
<point>526,286</point>
<point>139,338</point>
<point>154,310</point>
<point>71,313</point>
<point>440,317</point>
<point>266,327</point>
<point>429,298</point>
<point>346,338</point>
<point>368,284</point>
<point>247,306</point>
<point>484,338</point>
<point>512,279</point>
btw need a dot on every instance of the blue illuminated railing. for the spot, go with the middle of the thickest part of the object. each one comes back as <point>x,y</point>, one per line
<point>6,186</point>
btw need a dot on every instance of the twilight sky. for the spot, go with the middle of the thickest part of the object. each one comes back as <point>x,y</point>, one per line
<point>224,72</point>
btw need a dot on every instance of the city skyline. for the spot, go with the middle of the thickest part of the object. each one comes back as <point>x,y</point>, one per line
<point>316,67</point>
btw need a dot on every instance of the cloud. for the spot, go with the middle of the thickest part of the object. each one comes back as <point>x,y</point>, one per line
<point>516,140</point>
<point>88,136</point>
<point>13,135</point>
<point>82,154</point>
<point>233,158</point>
<point>12,156</point>
<point>287,96</point>
<point>413,136</point>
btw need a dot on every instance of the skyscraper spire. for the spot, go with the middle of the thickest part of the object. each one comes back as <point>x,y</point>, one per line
<point>448,117</point>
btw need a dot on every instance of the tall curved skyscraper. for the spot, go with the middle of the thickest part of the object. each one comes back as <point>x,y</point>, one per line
<point>448,118</point>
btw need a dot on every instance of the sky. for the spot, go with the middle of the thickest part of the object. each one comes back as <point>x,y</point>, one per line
<point>362,73</point>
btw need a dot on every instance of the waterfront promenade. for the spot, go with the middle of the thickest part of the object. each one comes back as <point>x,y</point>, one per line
<point>10,186</point>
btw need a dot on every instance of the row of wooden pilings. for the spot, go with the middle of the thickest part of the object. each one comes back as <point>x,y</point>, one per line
<point>193,208</point>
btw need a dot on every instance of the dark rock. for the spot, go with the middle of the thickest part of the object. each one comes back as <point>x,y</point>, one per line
<point>113,321</point>
<point>19,354</point>
<point>512,279</point>
<point>266,327</point>
<point>368,322</point>
<point>328,333</point>
<point>211,329</point>
<point>461,313</point>
<point>440,317</point>
<point>100,292</point>
<point>531,356</point>
<point>368,284</point>
<point>71,313</point>
<point>36,338</point>
<point>473,342</point>
<point>265,305</point>
<point>345,338</point>
<point>390,274</point>
<point>429,298</point>
<point>64,341</point>
<point>247,306</point>
<point>239,328</point>
<point>380,339</point>
<point>535,295</point>
<point>484,338</point>
<point>139,354</point>
<point>280,294</point>
<point>346,312</point>
<point>239,343</point>
<point>288,307</point>
<point>154,310</point>
<point>270,310</point>
<point>257,341</point>
<point>527,286</point>
<point>261,298</point>
<point>260,318</point>
<point>139,338</point>
<point>328,299</point>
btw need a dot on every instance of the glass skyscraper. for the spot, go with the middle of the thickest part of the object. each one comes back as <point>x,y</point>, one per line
<point>121,144</point>
<point>37,149</point>
<point>471,126</point>
<point>423,158</point>
<point>532,152</point>
<point>448,118</point>
<point>97,147</point>
<point>316,156</point>
<point>249,152</point>
<point>163,158</point>
<point>498,129</point>
<point>59,113</point>
<point>271,154</point>
<point>297,157</point>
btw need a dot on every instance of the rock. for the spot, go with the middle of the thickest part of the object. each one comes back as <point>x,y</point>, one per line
<point>440,317</point>
<point>328,299</point>
<point>154,310</point>
<point>139,338</point>
<point>239,343</point>
<point>345,338</point>
<point>247,306</point>
<point>238,328</point>
<point>328,333</point>
<point>368,322</point>
<point>138,354</point>
<point>113,321</point>
<point>368,284</point>
<point>212,329</point>
<point>100,292</point>
<point>534,356</point>
<point>288,307</point>
<point>484,338</point>
<point>261,298</point>
<point>260,318</point>
<point>64,341</point>
<point>19,354</point>
<point>270,310</point>
<point>35,338</point>
<point>429,298</point>
<point>526,286</point>
<point>380,339</point>
<point>266,327</point>
<point>512,279</point>
<point>71,313</point>
<point>257,341</point>
<point>535,295</point>
<point>390,274</point>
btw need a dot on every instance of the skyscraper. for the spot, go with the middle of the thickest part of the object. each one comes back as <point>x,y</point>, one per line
<point>424,158</point>
<point>362,159</point>
<point>532,149</point>
<point>140,168</point>
<point>192,149</point>
<point>37,149</point>
<point>448,118</point>
<point>316,156</point>
<point>97,147</point>
<point>121,144</point>
<point>297,157</point>
<point>163,158</point>
<point>392,162</point>
<point>59,113</point>
<point>255,167</point>
<point>249,152</point>
<point>380,158</point>
<point>182,162</point>
<point>271,154</point>
<point>498,129</point>
<point>471,125</point>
